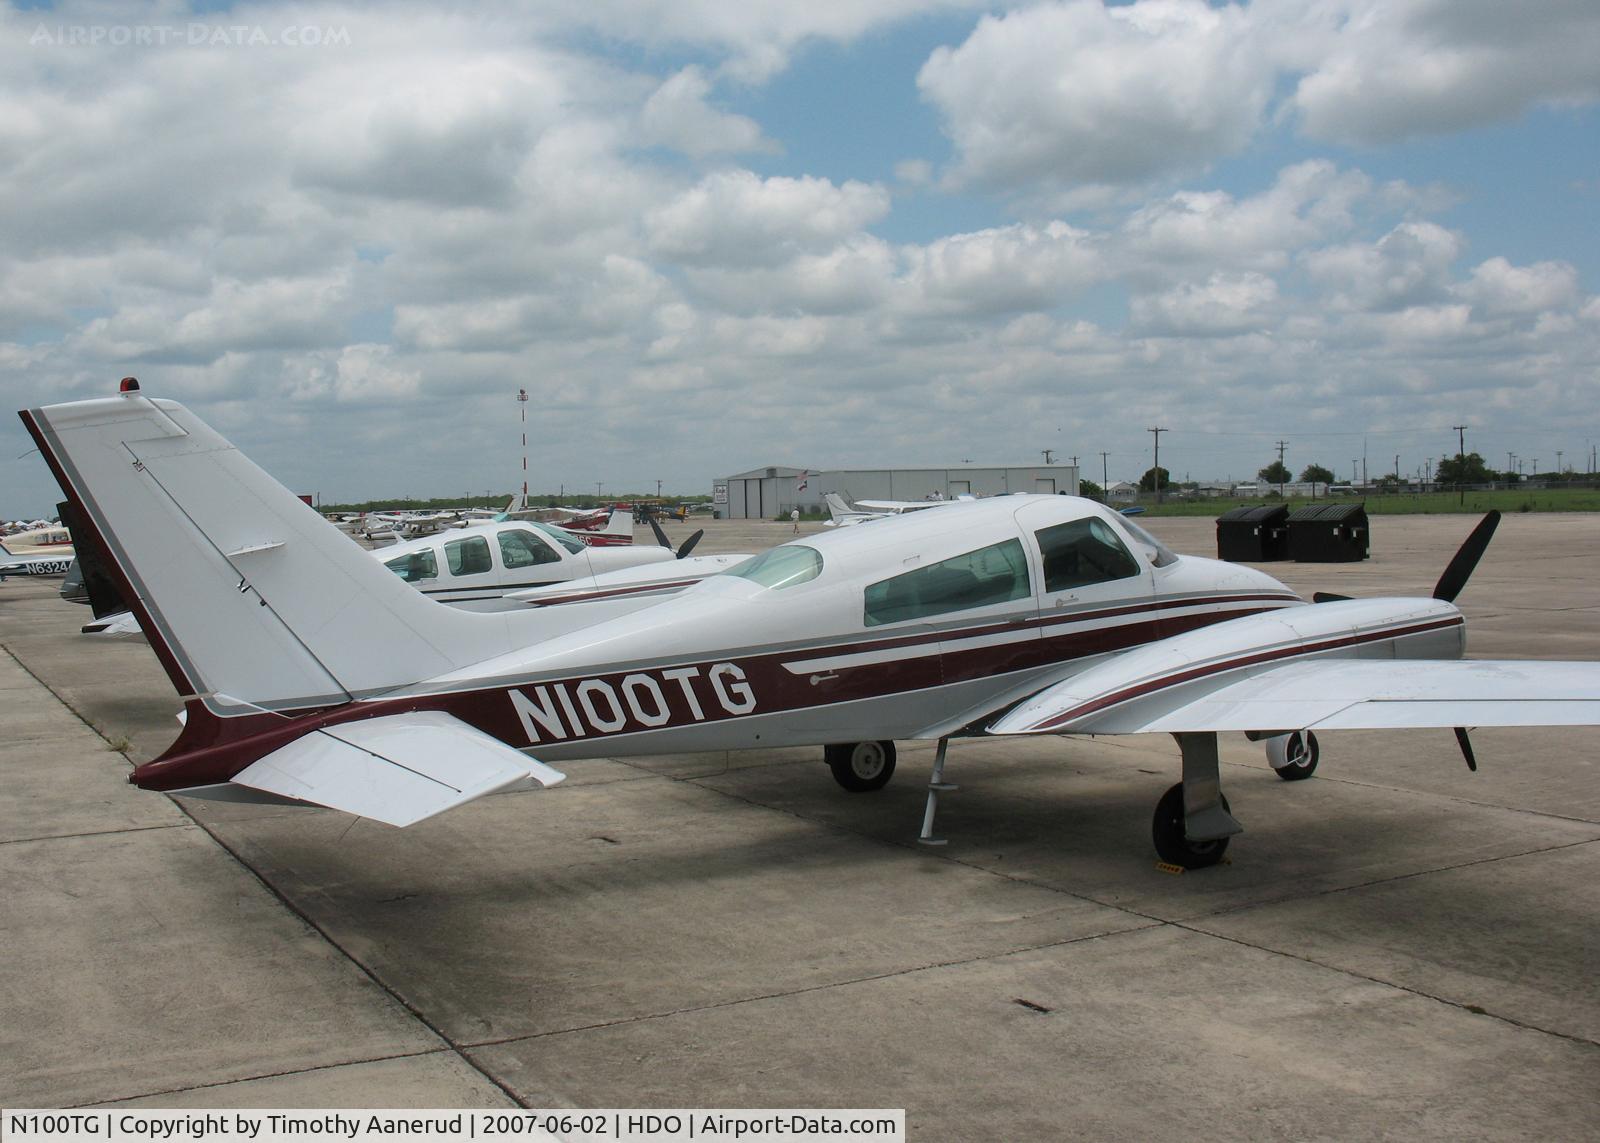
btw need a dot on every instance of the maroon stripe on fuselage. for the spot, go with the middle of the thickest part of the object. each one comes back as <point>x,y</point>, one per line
<point>227,745</point>
<point>610,592</point>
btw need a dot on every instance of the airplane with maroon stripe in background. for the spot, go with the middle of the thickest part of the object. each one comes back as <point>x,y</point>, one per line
<point>311,674</point>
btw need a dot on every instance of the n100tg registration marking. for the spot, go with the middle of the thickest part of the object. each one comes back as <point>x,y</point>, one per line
<point>643,700</point>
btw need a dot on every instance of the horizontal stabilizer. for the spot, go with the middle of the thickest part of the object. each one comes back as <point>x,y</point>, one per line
<point>398,769</point>
<point>1345,694</point>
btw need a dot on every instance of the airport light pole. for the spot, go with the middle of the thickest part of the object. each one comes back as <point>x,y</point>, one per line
<point>1461,459</point>
<point>522,404</point>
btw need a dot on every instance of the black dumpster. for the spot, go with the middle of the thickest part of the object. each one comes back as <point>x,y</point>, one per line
<point>1328,533</point>
<point>1254,534</point>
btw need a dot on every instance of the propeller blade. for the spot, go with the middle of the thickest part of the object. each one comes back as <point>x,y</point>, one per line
<point>1326,597</point>
<point>688,545</point>
<point>1466,748</point>
<point>1466,558</point>
<point>661,537</point>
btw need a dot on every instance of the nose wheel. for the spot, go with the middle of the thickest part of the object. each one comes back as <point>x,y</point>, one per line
<point>861,766</point>
<point>1293,756</point>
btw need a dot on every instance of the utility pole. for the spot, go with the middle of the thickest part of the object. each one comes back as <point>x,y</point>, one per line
<point>1281,446</point>
<point>598,485</point>
<point>1155,472</point>
<point>522,404</point>
<point>658,490</point>
<point>1103,480</point>
<point>1461,459</point>
<point>1558,461</point>
<point>1047,452</point>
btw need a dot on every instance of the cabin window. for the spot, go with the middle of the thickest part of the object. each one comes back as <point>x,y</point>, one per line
<point>520,549</point>
<point>565,539</point>
<point>469,556</point>
<point>996,574</point>
<point>783,566</point>
<point>417,565</point>
<point>1082,552</point>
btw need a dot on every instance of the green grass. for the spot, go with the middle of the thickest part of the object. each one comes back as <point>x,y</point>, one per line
<point>1506,500</point>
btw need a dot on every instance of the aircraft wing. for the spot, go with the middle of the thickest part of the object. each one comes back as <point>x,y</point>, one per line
<point>399,769</point>
<point>1318,694</point>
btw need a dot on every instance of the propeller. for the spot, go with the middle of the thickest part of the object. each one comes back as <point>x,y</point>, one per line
<point>661,538</point>
<point>1466,558</point>
<point>1456,572</point>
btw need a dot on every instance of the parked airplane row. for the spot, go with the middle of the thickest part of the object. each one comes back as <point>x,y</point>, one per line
<point>311,674</point>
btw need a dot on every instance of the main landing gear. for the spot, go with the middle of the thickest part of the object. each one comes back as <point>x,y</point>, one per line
<point>861,766</point>
<point>1192,823</point>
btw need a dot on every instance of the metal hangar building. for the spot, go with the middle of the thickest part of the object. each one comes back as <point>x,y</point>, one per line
<point>766,493</point>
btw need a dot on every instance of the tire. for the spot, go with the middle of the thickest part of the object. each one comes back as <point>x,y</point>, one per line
<point>861,766</point>
<point>1293,756</point>
<point>1166,830</point>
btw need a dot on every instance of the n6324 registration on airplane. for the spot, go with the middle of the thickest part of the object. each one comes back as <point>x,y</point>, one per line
<point>311,673</point>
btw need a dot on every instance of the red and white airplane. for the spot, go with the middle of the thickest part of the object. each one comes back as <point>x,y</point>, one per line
<point>310,673</point>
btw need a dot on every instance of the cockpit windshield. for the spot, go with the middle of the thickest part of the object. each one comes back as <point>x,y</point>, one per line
<point>784,566</point>
<point>1159,554</point>
<point>565,539</point>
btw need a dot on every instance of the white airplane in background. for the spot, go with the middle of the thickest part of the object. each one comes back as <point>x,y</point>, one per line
<point>35,561</point>
<point>485,567</point>
<point>311,674</point>
<point>841,513</point>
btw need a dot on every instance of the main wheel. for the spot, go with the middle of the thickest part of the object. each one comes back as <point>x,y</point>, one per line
<point>861,766</point>
<point>1293,756</point>
<point>1166,830</point>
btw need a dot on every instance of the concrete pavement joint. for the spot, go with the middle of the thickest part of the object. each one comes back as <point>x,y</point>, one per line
<point>1474,1009</point>
<point>366,970</point>
<point>76,713</point>
<point>265,1076</point>
<point>783,994</point>
<point>1232,910</point>
<point>94,833</point>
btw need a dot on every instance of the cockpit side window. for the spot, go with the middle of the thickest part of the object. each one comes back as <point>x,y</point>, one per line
<point>1082,552</point>
<point>521,549</point>
<point>469,556</point>
<point>1160,555</point>
<point>417,565</point>
<point>565,539</point>
<point>994,574</point>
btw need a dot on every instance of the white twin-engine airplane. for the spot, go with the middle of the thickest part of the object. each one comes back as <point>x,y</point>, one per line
<point>311,673</point>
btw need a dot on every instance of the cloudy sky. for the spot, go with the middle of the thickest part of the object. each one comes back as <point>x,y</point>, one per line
<point>707,235</point>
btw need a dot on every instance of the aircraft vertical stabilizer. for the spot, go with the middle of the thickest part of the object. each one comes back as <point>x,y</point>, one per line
<point>250,598</point>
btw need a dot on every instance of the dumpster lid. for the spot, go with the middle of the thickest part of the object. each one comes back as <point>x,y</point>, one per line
<point>1254,514</point>
<point>1329,513</point>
